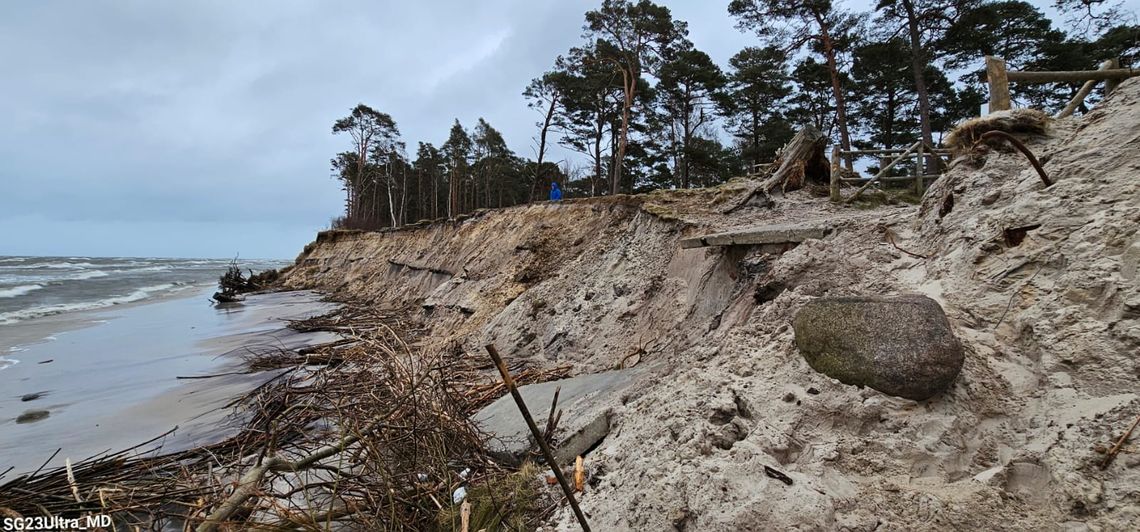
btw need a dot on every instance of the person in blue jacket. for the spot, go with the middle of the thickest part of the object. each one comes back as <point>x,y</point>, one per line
<point>555,192</point>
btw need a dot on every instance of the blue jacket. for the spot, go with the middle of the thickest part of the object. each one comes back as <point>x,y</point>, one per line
<point>555,192</point>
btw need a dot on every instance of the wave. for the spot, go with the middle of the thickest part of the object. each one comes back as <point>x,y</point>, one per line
<point>17,291</point>
<point>5,363</point>
<point>52,265</point>
<point>147,269</point>
<point>9,318</point>
<point>14,259</point>
<point>52,278</point>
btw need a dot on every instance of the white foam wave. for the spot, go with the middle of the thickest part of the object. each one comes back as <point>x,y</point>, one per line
<point>52,265</point>
<point>92,274</point>
<point>14,259</point>
<point>17,291</point>
<point>6,363</point>
<point>50,278</point>
<point>8,318</point>
<point>147,269</point>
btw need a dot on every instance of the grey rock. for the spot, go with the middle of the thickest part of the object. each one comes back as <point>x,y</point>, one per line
<point>31,416</point>
<point>585,401</point>
<point>899,345</point>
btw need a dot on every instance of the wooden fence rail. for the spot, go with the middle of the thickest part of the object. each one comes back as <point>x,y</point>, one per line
<point>999,77</point>
<point>920,151</point>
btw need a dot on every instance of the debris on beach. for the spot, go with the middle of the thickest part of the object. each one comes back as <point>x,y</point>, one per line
<point>233,283</point>
<point>1010,310</point>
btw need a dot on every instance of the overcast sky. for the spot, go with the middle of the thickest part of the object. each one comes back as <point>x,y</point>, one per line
<point>202,129</point>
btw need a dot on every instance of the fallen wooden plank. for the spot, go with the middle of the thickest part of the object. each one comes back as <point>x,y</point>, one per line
<point>759,235</point>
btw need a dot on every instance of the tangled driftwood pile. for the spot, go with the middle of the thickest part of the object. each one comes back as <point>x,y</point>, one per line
<point>371,429</point>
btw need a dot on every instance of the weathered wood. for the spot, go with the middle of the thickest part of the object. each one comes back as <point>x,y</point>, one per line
<point>760,235</point>
<point>800,160</point>
<point>1111,84</point>
<point>835,174</point>
<point>1072,75</point>
<point>1086,89</point>
<point>884,171</point>
<point>892,150</point>
<point>998,80</point>
<point>901,179</point>
<point>919,162</point>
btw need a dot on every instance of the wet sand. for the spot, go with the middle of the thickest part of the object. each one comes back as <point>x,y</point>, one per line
<point>112,380</point>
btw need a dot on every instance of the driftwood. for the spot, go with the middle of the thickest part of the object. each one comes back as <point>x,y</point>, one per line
<point>390,417</point>
<point>800,160</point>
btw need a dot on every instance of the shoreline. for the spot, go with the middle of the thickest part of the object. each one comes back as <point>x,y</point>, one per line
<point>112,378</point>
<point>19,335</point>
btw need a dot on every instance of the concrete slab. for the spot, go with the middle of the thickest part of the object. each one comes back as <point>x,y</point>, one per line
<point>765,235</point>
<point>584,401</point>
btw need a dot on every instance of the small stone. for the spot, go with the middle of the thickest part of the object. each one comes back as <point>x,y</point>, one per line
<point>991,197</point>
<point>812,391</point>
<point>32,416</point>
<point>898,345</point>
<point>789,397</point>
<point>31,396</point>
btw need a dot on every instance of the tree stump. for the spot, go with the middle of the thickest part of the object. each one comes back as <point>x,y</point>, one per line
<point>800,161</point>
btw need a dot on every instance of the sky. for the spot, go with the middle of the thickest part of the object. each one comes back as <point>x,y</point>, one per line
<point>203,128</point>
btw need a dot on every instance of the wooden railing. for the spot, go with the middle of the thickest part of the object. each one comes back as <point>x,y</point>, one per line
<point>998,78</point>
<point>920,151</point>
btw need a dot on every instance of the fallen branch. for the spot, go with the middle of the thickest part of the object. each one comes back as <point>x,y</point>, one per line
<point>546,452</point>
<point>891,240</point>
<point>1119,443</point>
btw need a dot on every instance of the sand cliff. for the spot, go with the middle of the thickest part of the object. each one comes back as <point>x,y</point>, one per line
<point>1040,284</point>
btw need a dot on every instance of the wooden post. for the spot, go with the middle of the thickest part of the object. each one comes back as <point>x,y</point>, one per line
<point>1082,94</point>
<point>1110,84</point>
<point>918,170</point>
<point>546,452</point>
<point>999,83</point>
<point>835,196</point>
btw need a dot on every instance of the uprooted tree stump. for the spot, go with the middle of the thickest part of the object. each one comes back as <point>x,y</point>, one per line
<point>800,161</point>
<point>233,283</point>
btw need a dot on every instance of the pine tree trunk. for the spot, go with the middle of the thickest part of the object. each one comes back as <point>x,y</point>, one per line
<point>837,89</point>
<point>918,67</point>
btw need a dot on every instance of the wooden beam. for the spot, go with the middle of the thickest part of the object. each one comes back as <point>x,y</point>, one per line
<point>999,83</point>
<point>918,170</point>
<point>1110,84</point>
<point>1072,75</point>
<point>834,188</point>
<point>1082,94</point>
<point>779,236</point>
<point>890,180</point>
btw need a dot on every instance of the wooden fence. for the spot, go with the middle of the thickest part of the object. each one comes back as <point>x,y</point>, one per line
<point>919,151</point>
<point>999,78</point>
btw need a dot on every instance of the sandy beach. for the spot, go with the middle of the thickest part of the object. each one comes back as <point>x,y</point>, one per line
<point>91,382</point>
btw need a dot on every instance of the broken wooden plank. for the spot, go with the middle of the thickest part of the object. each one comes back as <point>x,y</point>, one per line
<point>759,235</point>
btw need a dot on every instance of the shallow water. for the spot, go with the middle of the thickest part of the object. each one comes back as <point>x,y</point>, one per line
<point>108,379</point>
<point>33,287</point>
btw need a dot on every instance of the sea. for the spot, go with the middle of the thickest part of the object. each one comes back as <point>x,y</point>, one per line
<point>101,354</point>
<point>36,287</point>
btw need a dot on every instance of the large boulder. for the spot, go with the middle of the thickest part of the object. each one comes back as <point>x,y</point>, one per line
<point>898,345</point>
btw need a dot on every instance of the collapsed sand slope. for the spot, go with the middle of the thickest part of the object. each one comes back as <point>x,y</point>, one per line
<point>1050,325</point>
<point>1010,446</point>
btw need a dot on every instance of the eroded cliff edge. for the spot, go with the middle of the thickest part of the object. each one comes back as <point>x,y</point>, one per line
<point>1040,285</point>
